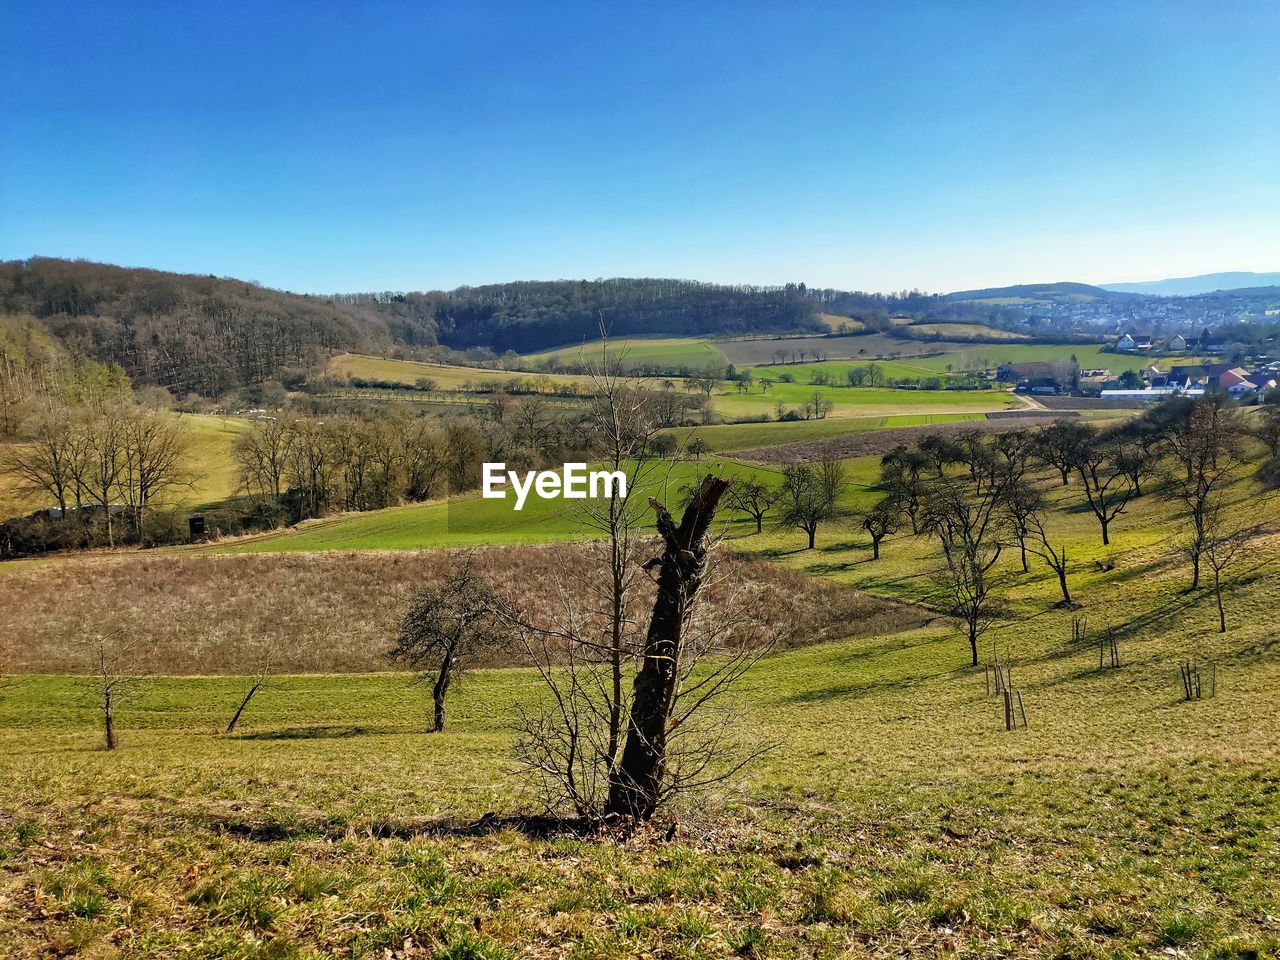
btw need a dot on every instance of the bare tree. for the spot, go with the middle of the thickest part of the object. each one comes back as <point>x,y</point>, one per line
<point>444,627</point>
<point>1104,476</point>
<point>881,521</point>
<point>266,665</point>
<point>971,529</point>
<point>103,459</point>
<point>754,499</point>
<point>1043,545</point>
<point>424,463</point>
<point>809,495</point>
<point>154,462</point>
<point>636,783</point>
<point>1020,502</point>
<point>902,476</point>
<point>114,682</point>
<point>262,455</point>
<point>1267,427</point>
<point>571,743</point>
<point>1205,453</point>
<point>817,406</point>
<point>312,466</point>
<point>46,463</point>
<point>1057,443</point>
<point>1220,548</point>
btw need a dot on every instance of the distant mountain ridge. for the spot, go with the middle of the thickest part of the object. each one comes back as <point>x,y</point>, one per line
<point>1193,286</point>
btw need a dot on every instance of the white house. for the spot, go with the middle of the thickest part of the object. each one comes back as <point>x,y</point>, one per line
<point>1178,343</point>
<point>1126,342</point>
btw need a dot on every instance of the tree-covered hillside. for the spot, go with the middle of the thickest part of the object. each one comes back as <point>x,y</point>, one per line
<point>209,335</point>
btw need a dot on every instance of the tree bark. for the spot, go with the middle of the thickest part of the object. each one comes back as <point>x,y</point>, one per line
<point>438,693</point>
<point>635,789</point>
<point>108,722</point>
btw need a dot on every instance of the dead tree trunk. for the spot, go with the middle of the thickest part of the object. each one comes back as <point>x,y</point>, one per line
<point>635,788</point>
<point>243,703</point>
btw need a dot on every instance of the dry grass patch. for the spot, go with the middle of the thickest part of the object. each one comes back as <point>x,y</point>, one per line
<point>330,612</point>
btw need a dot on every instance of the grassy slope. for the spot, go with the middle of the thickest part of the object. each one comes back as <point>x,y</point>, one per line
<point>211,460</point>
<point>459,522</point>
<point>692,352</point>
<point>894,816</point>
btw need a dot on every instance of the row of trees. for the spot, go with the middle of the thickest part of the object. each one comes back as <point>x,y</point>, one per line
<point>103,458</point>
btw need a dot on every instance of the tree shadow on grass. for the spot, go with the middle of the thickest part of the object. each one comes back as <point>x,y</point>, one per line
<point>329,732</point>
<point>860,691</point>
<point>776,553</point>
<point>276,830</point>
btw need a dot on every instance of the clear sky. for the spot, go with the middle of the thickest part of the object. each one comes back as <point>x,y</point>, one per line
<point>371,146</point>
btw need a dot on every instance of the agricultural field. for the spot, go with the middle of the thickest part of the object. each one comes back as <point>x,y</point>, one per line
<point>728,437</point>
<point>892,814</point>
<point>445,377</point>
<point>674,353</point>
<point>759,351</point>
<point>956,330</point>
<point>861,401</point>
<point>211,459</point>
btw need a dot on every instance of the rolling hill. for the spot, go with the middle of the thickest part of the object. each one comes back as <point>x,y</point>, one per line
<point>1051,292</point>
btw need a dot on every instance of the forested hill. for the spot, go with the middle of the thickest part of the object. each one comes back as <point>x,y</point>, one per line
<point>190,333</point>
<point>533,315</point>
<point>210,335</point>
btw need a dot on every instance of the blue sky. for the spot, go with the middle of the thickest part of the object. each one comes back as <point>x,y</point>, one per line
<point>323,147</point>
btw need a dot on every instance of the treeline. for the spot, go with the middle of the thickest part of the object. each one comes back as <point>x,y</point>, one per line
<point>209,335</point>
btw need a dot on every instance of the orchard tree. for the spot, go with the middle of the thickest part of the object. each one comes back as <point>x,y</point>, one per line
<point>754,499</point>
<point>1104,476</point>
<point>881,521</point>
<point>444,628</point>
<point>809,494</point>
<point>1204,450</point>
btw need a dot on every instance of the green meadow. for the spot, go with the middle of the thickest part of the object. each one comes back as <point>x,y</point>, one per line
<point>470,520</point>
<point>892,814</point>
<point>694,353</point>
